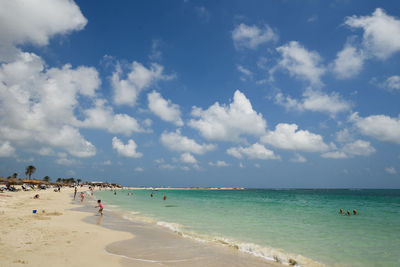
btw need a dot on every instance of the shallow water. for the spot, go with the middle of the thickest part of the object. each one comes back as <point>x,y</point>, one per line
<point>281,224</point>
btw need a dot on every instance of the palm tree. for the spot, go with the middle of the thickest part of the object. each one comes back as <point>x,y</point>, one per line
<point>46,179</point>
<point>15,175</point>
<point>30,170</point>
<point>78,180</point>
<point>58,180</point>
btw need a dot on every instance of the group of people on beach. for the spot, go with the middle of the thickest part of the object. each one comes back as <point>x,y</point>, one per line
<point>348,212</point>
<point>82,195</point>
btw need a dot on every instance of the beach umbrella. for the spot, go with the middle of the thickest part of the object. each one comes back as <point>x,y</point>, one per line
<point>14,181</point>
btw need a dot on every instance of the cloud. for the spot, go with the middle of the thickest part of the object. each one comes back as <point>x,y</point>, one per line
<point>64,160</point>
<point>255,151</point>
<point>219,163</point>
<point>176,142</point>
<point>358,148</point>
<point>229,123</point>
<point>6,149</point>
<point>102,117</point>
<point>381,37</point>
<point>301,63</point>
<point>126,91</point>
<point>139,169</point>
<point>344,136</point>
<point>298,158</point>
<point>38,104</point>
<point>164,109</point>
<point>391,170</point>
<point>128,150</point>
<point>348,150</point>
<point>167,167</point>
<point>348,62</point>
<point>391,83</point>
<point>23,22</point>
<point>246,74</point>
<point>381,127</point>
<point>335,155</point>
<point>287,136</point>
<point>317,101</point>
<point>188,158</point>
<point>246,36</point>
<point>155,54</point>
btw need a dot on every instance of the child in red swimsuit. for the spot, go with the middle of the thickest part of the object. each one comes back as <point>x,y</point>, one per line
<point>100,206</point>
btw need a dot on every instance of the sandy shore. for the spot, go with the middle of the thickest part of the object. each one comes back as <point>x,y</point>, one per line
<point>65,233</point>
<point>55,236</point>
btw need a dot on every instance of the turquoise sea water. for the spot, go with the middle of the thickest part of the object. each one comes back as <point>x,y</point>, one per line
<point>283,224</point>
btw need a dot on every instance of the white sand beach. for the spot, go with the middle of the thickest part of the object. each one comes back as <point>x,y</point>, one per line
<point>55,235</point>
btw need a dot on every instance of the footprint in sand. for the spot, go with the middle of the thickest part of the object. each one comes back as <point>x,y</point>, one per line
<point>20,261</point>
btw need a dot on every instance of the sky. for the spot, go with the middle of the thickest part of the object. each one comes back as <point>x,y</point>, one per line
<point>259,94</point>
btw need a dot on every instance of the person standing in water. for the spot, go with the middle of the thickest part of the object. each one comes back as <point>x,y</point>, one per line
<point>82,197</point>
<point>100,206</point>
<point>75,191</point>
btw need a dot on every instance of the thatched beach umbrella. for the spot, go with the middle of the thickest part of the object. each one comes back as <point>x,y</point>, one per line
<point>34,182</point>
<point>13,181</point>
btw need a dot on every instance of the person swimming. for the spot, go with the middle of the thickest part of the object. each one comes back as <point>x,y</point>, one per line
<point>348,213</point>
<point>165,197</point>
<point>341,211</point>
<point>355,212</point>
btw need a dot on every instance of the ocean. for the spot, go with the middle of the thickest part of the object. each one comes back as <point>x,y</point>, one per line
<point>299,224</point>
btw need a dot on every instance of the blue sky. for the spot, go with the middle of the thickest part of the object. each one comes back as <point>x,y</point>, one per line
<point>202,93</point>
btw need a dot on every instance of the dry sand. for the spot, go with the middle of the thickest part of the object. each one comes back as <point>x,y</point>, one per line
<point>55,236</point>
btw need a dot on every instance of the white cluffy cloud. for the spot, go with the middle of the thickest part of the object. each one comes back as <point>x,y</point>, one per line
<point>102,117</point>
<point>316,101</point>
<point>356,148</point>
<point>177,142</point>
<point>229,123</point>
<point>164,109</point>
<point>246,36</point>
<point>348,62</point>
<point>255,151</point>
<point>287,136</point>
<point>381,127</point>
<point>188,158</point>
<point>301,63</point>
<point>38,104</point>
<point>126,91</point>
<point>381,36</point>
<point>128,150</point>
<point>35,22</point>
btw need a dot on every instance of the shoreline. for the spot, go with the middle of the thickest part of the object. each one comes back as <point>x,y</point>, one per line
<point>155,245</point>
<point>65,233</point>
